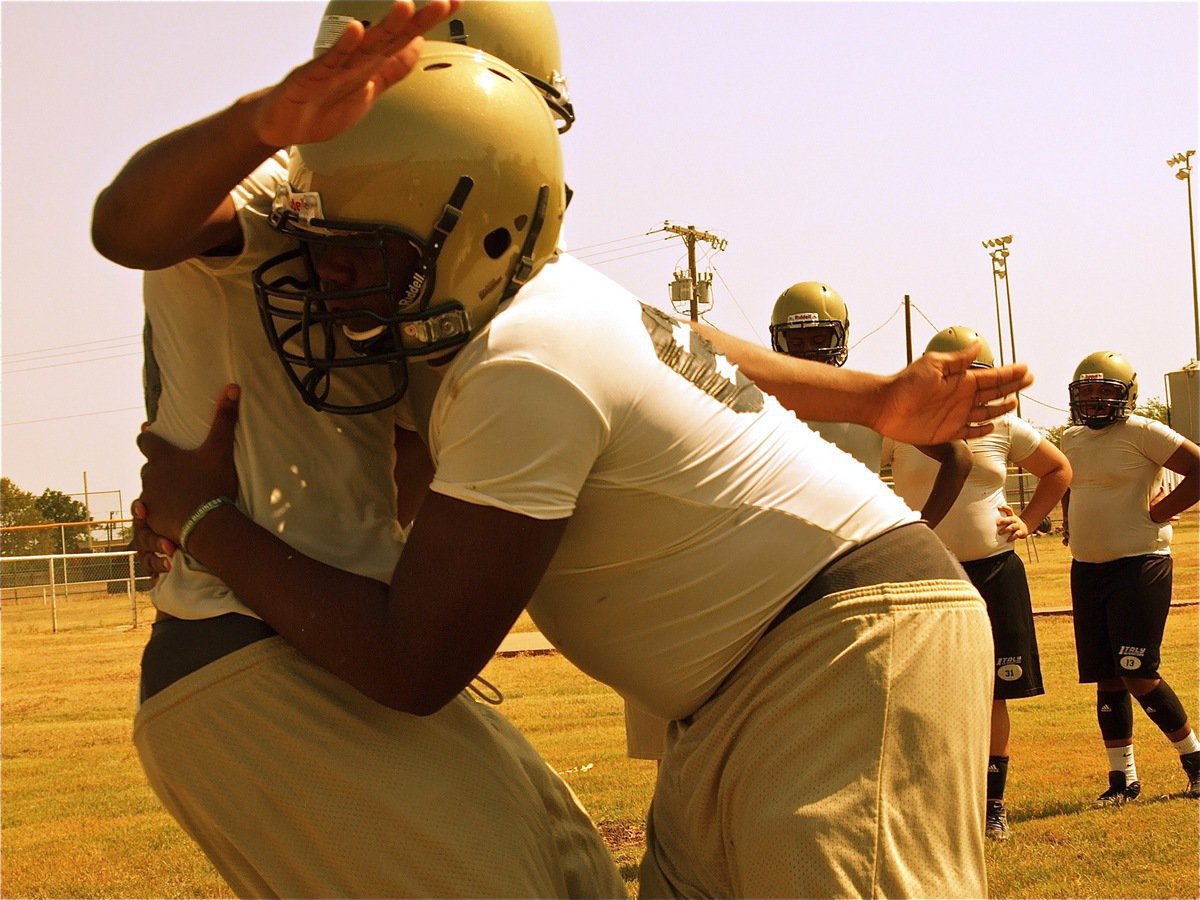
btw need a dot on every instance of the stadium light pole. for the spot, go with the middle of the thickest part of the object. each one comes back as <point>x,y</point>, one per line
<point>1183,160</point>
<point>998,250</point>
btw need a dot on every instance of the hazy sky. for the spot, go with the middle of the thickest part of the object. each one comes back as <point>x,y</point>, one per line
<point>872,146</point>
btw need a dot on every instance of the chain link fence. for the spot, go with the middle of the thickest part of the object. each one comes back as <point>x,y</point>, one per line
<point>73,590</point>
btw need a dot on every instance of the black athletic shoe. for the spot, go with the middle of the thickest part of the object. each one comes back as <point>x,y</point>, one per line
<point>1191,767</point>
<point>996,823</point>
<point>1119,793</point>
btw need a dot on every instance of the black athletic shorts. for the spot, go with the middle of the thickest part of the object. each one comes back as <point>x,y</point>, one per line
<point>1001,581</point>
<point>1120,612</point>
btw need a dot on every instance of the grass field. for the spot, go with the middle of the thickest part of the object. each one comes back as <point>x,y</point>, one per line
<point>78,819</point>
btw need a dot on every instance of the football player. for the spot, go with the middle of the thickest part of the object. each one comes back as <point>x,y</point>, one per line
<point>623,504</point>
<point>349,797</point>
<point>1117,522</point>
<point>980,531</point>
<point>810,321</point>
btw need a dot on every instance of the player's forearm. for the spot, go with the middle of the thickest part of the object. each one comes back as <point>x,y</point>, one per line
<point>1051,488</point>
<point>170,201</point>
<point>954,465</point>
<point>340,620</point>
<point>814,391</point>
<point>1184,497</point>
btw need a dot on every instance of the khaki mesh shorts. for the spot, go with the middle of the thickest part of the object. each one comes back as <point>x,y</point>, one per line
<point>844,757</point>
<point>296,785</point>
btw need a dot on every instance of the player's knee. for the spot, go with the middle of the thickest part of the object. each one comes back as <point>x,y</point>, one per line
<point>1164,709</point>
<point>1139,687</point>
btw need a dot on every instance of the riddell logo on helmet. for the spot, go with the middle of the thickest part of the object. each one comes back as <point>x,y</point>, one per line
<point>489,287</point>
<point>1091,376</point>
<point>414,288</point>
<point>804,318</point>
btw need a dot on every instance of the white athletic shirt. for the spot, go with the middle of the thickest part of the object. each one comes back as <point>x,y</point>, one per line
<point>969,528</point>
<point>1118,470</point>
<point>859,441</point>
<point>694,516</point>
<point>320,482</point>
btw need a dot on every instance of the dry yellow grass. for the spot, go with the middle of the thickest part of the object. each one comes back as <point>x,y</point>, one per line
<point>79,820</point>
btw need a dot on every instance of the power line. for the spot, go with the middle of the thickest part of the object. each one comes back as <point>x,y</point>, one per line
<point>102,412</point>
<point>575,251</point>
<point>585,255</point>
<point>77,344</point>
<point>600,262</point>
<point>44,356</point>
<point>899,306</point>
<point>71,362</point>
<point>753,330</point>
<point>923,316</point>
<point>1040,403</point>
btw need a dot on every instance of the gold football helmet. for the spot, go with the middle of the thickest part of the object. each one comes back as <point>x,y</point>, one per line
<point>520,32</point>
<point>960,337</point>
<point>810,320</point>
<point>452,186</point>
<point>1103,391</point>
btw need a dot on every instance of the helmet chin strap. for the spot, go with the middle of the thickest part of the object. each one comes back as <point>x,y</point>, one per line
<point>524,268</point>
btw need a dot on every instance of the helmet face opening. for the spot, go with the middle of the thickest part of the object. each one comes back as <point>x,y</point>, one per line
<point>414,227</point>
<point>361,300</point>
<point>1098,402</point>
<point>807,336</point>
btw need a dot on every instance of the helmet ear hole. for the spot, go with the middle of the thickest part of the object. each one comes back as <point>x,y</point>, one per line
<point>497,242</point>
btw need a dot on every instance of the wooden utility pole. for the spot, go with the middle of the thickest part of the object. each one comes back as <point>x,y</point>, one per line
<point>690,237</point>
<point>908,326</point>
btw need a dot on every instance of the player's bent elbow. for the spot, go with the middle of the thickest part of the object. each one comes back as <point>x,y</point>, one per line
<point>110,237</point>
<point>120,236</point>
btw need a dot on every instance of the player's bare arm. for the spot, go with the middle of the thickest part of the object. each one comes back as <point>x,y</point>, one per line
<point>1186,462</point>
<point>465,575</point>
<point>1048,464</point>
<point>171,200</point>
<point>954,461</point>
<point>937,398</point>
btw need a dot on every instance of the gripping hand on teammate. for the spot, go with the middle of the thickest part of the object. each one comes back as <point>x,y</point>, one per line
<point>176,482</point>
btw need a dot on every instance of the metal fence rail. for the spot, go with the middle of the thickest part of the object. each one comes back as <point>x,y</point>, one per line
<point>57,576</point>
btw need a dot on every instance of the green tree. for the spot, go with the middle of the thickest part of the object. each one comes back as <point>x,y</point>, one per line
<point>1154,409</point>
<point>1054,435</point>
<point>18,507</point>
<point>55,506</point>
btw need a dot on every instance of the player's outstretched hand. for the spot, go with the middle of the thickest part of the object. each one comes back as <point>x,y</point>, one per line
<point>175,482</point>
<point>940,398</point>
<point>327,95</point>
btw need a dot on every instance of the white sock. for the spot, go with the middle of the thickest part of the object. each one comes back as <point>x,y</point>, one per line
<point>1188,744</point>
<point>1120,759</point>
